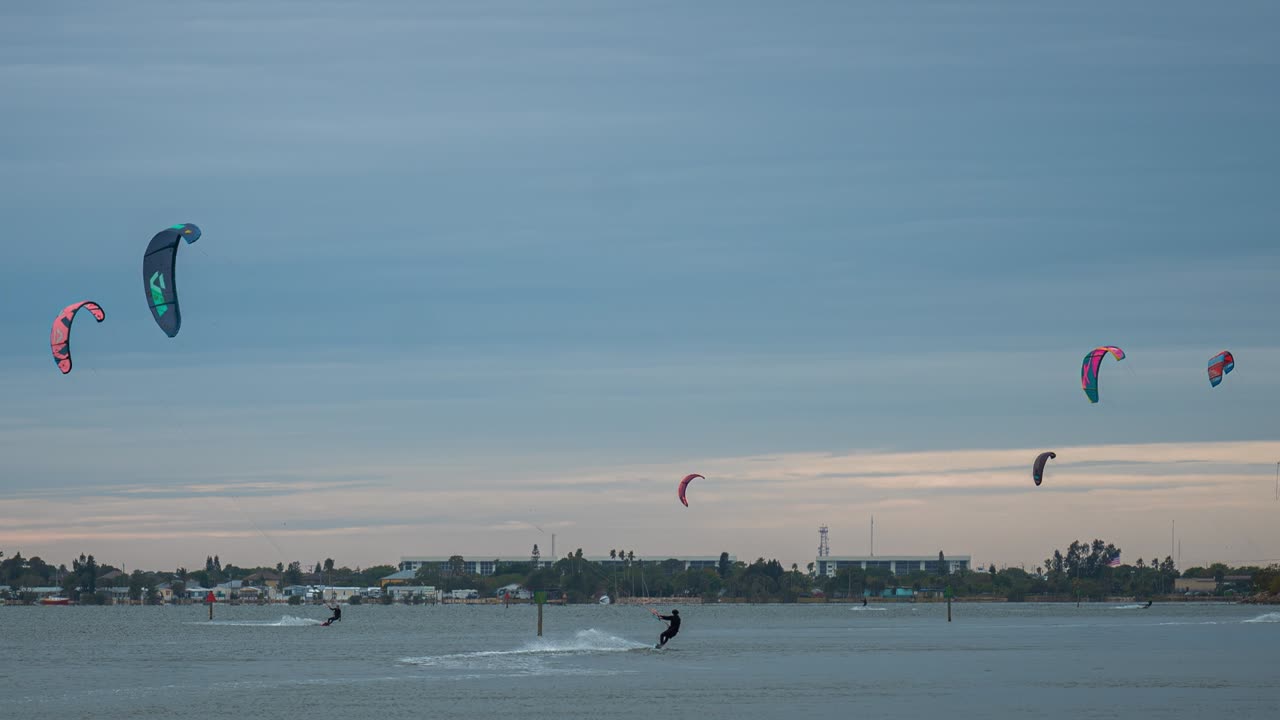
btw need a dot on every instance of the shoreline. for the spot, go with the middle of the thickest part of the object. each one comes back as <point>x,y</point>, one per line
<point>643,602</point>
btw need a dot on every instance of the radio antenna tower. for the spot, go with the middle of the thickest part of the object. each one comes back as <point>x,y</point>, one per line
<point>824,549</point>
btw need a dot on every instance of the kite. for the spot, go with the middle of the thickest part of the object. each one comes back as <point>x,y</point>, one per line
<point>1092,363</point>
<point>60,335</point>
<point>157,275</point>
<point>1037,470</point>
<point>684,484</point>
<point>1220,365</point>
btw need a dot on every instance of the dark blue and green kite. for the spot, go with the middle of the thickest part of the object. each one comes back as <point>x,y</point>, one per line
<point>157,275</point>
<point>1037,469</point>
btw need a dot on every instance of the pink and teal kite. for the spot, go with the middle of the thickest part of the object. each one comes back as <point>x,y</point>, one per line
<point>1092,363</point>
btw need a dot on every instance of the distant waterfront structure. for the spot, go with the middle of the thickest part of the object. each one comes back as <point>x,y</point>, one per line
<point>690,562</point>
<point>477,565</point>
<point>481,565</point>
<point>829,565</point>
<point>824,549</point>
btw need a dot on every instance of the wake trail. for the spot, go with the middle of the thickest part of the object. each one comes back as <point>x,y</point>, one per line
<point>284,621</point>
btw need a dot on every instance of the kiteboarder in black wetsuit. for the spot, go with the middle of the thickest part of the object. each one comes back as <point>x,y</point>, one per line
<point>337,615</point>
<point>673,627</point>
<point>1144,607</point>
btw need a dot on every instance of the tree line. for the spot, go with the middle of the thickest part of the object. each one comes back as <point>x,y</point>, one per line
<point>1085,570</point>
<point>578,579</point>
<point>88,582</point>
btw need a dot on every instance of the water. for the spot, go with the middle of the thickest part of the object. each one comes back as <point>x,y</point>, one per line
<point>729,661</point>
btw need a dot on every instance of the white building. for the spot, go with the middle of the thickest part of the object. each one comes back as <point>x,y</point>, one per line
<point>400,592</point>
<point>829,565</point>
<point>330,593</point>
<point>474,566</point>
<point>687,562</point>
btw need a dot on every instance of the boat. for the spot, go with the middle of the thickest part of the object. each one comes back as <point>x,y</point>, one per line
<point>55,601</point>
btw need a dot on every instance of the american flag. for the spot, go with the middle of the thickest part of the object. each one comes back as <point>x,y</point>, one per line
<point>1115,562</point>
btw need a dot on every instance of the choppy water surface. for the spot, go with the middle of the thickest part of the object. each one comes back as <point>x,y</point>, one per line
<point>1003,660</point>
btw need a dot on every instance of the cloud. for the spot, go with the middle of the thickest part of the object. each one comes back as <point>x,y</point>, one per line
<point>920,499</point>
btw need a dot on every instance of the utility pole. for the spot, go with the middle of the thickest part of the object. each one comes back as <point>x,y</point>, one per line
<point>873,536</point>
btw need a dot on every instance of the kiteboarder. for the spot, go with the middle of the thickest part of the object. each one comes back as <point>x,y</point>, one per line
<point>1144,607</point>
<point>673,627</point>
<point>337,615</point>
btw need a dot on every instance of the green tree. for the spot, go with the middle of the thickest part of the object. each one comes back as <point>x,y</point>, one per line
<point>86,571</point>
<point>373,575</point>
<point>429,574</point>
<point>457,565</point>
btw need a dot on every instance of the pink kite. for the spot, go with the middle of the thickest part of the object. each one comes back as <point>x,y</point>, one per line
<point>60,336</point>
<point>684,484</point>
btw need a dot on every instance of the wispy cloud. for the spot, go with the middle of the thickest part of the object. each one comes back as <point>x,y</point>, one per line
<point>922,499</point>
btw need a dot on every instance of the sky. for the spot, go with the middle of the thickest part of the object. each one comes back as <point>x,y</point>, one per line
<point>474,274</point>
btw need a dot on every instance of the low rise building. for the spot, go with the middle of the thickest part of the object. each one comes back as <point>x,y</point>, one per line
<point>41,592</point>
<point>404,577</point>
<point>399,592</point>
<point>829,565</point>
<point>330,593</point>
<point>482,566</point>
<point>1208,586</point>
<point>264,578</point>
<point>687,562</point>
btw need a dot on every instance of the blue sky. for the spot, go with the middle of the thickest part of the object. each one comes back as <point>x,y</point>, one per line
<point>470,268</point>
